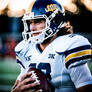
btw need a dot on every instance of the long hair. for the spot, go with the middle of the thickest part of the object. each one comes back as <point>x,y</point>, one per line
<point>67,29</point>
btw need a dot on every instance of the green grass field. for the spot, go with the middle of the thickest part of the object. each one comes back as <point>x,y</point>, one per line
<point>9,71</point>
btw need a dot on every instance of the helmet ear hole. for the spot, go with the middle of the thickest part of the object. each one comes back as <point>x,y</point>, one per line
<point>48,32</point>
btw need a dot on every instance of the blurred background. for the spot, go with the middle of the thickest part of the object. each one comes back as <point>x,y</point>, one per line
<point>79,13</point>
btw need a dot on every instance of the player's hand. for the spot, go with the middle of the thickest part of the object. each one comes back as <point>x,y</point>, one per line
<point>26,83</point>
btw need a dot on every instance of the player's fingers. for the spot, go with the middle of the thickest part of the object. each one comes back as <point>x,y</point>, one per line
<point>40,90</point>
<point>16,83</point>
<point>34,84</point>
<point>28,74</point>
<point>28,80</point>
<point>31,86</point>
<point>23,85</point>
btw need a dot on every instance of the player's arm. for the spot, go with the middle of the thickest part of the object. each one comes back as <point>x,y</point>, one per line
<point>81,77</point>
<point>24,80</point>
<point>76,62</point>
<point>86,78</point>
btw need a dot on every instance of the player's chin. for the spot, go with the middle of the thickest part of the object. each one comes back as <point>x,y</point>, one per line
<point>36,34</point>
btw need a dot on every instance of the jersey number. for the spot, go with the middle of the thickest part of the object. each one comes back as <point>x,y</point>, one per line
<point>45,67</point>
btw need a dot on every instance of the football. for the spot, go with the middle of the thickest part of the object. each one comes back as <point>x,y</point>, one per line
<point>39,76</point>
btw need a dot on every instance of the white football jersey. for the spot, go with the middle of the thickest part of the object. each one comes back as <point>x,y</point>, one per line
<point>63,61</point>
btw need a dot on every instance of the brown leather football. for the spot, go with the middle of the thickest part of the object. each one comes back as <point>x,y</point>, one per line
<point>39,76</point>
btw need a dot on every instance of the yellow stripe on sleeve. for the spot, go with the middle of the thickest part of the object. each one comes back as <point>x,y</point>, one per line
<point>78,54</point>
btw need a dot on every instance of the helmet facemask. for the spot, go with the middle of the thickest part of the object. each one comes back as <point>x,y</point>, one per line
<point>45,33</point>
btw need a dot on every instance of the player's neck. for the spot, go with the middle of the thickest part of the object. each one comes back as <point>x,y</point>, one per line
<point>43,46</point>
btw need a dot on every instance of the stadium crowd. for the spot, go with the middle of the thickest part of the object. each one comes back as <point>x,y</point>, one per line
<point>7,46</point>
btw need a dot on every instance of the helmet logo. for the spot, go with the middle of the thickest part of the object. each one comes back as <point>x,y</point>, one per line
<point>51,7</point>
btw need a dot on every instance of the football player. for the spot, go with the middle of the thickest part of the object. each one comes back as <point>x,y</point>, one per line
<point>51,46</point>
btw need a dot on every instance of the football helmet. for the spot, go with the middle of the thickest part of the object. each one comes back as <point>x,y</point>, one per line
<point>51,11</point>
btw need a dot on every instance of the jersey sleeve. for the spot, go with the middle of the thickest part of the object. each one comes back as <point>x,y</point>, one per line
<point>79,52</point>
<point>80,75</point>
<point>76,58</point>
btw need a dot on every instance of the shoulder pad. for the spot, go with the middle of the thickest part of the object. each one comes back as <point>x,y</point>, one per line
<point>20,46</point>
<point>78,41</point>
<point>78,51</point>
<point>20,50</point>
<point>66,42</point>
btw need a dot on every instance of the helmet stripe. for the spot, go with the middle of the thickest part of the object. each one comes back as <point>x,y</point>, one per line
<point>30,6</point>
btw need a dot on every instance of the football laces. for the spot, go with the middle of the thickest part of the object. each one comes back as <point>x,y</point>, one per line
<point>35,77</point>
